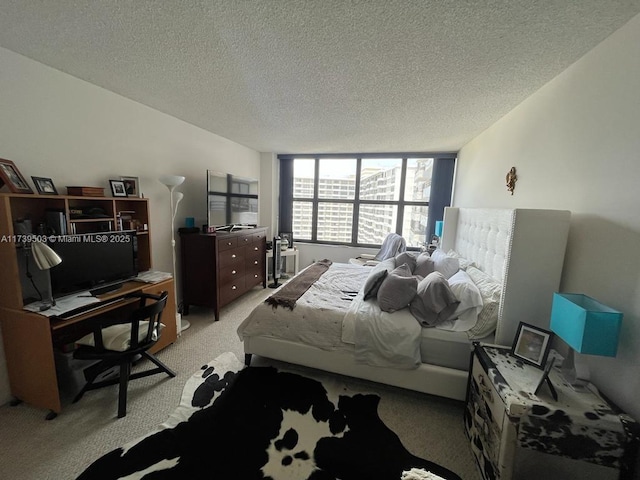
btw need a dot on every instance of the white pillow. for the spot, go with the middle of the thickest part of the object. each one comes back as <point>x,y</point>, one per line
<point>464,263</point>
<point>446,265</point>
<point>491,292</point>
<point>467,293</point>
<point>117,337</point>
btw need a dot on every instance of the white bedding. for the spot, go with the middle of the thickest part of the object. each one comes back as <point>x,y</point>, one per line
<point>382,339</point>
<point>322,308</point>
<point>327,317</point>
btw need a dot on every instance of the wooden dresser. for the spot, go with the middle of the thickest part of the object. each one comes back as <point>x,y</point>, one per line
<point>218,268</point>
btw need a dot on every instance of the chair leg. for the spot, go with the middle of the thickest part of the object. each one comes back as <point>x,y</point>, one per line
<point>87,386</point>
<point>83,391</point>
<point>158,363</point>
<point>125,371</point>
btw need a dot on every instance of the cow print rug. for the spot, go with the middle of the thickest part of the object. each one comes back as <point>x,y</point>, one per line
<point>263,423</point>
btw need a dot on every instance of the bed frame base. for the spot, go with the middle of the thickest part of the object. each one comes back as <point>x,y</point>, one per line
<point>431,379</point>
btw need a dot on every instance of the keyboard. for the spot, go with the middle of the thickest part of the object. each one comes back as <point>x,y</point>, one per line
<point>87,308</point>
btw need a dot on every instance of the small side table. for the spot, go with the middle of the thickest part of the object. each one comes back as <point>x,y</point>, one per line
<point>289,252</point>
<point>518,435</point>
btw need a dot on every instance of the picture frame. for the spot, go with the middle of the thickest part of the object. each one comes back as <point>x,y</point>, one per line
<point>12,178</point>
<point>287,237</point>
<point>118,188</point>
<point>44,185</point>
<point>132,186</point>
<point>546,380</point>
<point>532,344</point>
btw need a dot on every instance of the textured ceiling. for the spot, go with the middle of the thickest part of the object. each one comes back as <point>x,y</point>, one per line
<point>318,75</point>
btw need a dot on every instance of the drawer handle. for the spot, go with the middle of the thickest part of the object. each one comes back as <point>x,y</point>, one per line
<point>255,248</point>
<point>233,272</point>
<point>485,389</point>
<point>246,239</point>
<point>233,256</point>
<point>255,262</point>
<point>255,275</point>
<point>229,243</point>
<point>233,287</point>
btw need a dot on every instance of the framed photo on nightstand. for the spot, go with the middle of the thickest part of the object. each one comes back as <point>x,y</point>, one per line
<point>532,344</point>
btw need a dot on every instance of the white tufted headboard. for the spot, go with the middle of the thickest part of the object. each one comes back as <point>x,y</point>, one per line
<point>523,249</point>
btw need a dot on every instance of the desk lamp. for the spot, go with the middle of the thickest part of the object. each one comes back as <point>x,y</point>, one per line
<point>45,259</point>
<point>171,182</point>
<point>588,327</point>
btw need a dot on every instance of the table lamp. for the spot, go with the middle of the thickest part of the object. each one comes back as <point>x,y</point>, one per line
<point>45,258</point>
<point>171,182</point>
<point>439,227</point>
<point>588,327</point>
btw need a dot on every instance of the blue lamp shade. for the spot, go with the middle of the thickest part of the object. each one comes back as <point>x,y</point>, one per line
<point>439,227</point>
<point>585,324</point>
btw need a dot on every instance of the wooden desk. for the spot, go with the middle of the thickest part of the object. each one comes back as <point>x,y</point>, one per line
<point>30,339</point>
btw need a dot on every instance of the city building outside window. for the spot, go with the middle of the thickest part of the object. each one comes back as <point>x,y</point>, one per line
<point>359,200</point>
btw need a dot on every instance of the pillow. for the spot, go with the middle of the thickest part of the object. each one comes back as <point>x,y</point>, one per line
<point>445,264</point>
<point>397,290</point>
<point>424,265</point>
<point>491,291</point>
<point>466,315</point>
<point>408,258</point>
<point>434,301</point>
<point>464,263</point>
<point>372,285</point>
<point>117,337</point>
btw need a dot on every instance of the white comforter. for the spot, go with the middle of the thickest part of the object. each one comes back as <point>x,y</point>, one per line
<point>317,317</point>
<point>380,338</point>
<point>327,316</point>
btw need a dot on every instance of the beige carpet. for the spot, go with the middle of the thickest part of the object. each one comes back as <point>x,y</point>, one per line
<point>32,448</point>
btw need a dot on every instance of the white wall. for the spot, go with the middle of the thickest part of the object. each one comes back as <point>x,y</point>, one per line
<point>575,144</point>
<point>57,126</point>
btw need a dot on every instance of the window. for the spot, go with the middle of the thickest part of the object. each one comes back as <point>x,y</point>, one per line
<point>359,199</point>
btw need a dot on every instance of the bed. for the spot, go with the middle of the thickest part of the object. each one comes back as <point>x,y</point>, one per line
<point>519,251</point>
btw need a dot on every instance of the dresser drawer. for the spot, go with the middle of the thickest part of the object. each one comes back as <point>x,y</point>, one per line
<point>232,290</point>
<point>488,396</point>
<point>245,239</point>
<point>258,237</point>
<point>230,258</point>
<point>255,271</point>
<point>254,257</point>
<point>230,274</point>
<point>227,243</point>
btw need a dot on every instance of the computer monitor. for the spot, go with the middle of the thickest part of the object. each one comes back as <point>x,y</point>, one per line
<point>91,261</point>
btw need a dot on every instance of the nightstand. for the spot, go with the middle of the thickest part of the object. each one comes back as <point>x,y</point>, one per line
<point>515,434</point>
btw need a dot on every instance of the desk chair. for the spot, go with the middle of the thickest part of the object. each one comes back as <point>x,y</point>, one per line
<point>392,245</point>
<point>119,342</point>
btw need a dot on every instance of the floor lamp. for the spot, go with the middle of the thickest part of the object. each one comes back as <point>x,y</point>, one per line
<point>171,182</point>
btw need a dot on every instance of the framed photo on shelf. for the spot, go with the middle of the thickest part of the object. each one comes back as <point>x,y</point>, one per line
<point>132,186</point>
<point>532,344</point>
<point>44,186</point>
<point>12,178</point>
<point>118,188</point>
<point>287,239</point>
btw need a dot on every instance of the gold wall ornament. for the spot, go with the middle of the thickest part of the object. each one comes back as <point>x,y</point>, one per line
<point>512,178</point>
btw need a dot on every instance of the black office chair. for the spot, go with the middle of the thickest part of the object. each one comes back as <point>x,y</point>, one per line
<point>121,342</point>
